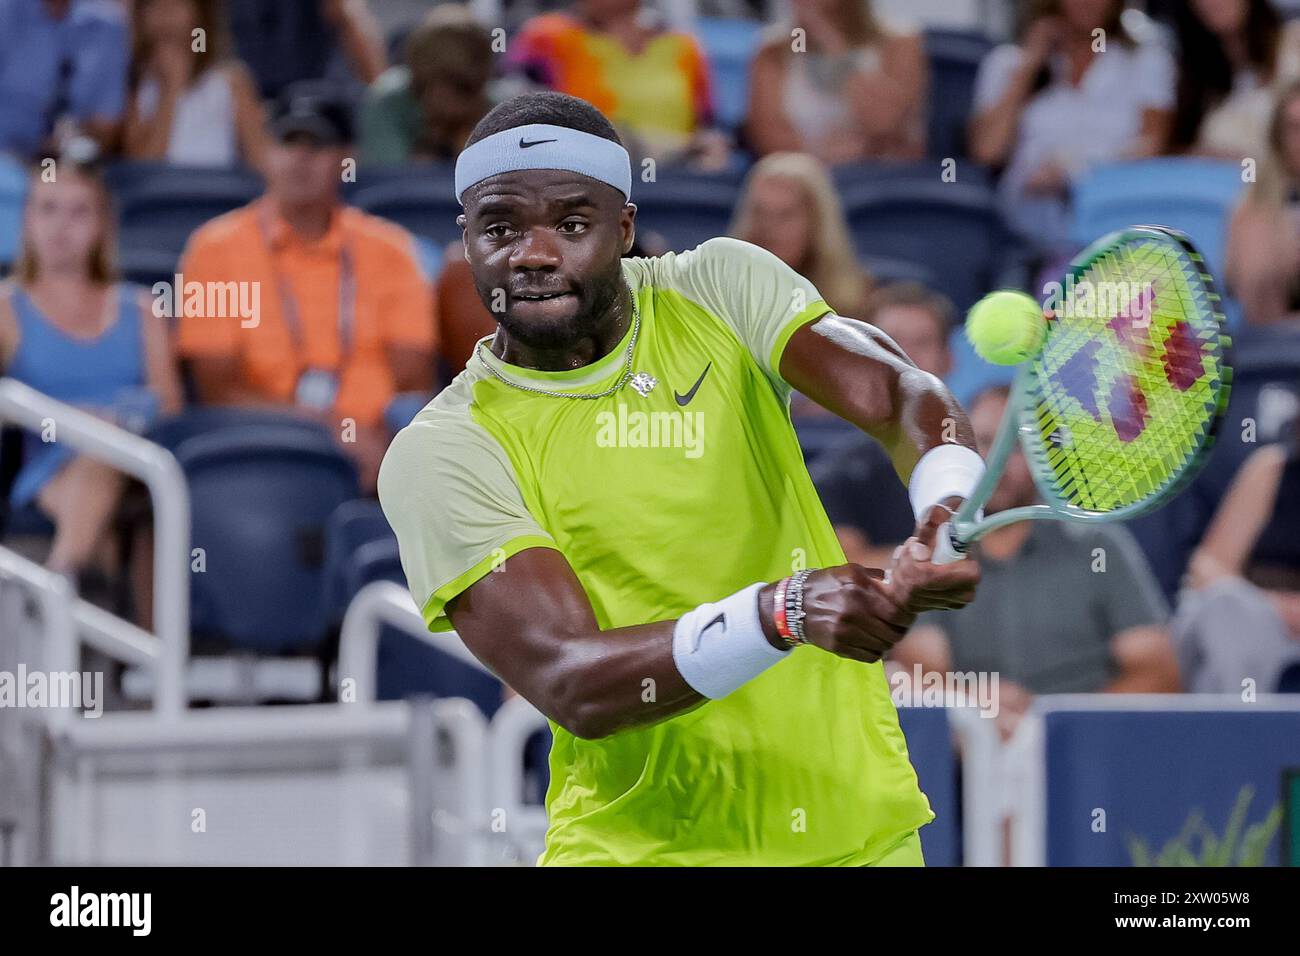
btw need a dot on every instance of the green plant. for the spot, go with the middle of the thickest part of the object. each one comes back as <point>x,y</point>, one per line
<point>1235,848</point>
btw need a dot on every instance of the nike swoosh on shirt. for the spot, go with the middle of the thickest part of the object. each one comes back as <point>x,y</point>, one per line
<point>686,399</point>
<point>524,144</point>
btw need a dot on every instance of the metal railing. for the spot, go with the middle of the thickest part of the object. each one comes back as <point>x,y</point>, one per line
<point>166,651</point>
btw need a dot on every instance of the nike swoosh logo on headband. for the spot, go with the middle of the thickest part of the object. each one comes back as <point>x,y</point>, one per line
<point>524,144</point>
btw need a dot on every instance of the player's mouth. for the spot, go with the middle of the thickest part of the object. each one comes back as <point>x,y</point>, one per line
<point>540,296</point>
<point>543,305</point>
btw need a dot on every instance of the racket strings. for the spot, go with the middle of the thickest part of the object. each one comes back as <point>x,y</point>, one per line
<point>1126,391</point>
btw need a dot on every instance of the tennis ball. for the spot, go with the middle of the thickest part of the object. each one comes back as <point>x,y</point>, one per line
<point>1006,327</point>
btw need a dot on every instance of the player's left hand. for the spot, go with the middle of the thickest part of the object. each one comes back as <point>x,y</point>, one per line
<point>918,584</point>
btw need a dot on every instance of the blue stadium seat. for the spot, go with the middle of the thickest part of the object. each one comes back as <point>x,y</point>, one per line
<point>145,266</point>
<point>260,498</point>
<point>951,228</point>
<point>171,432</point>
<point>159,206</point>
<point>1193,195</point>
<point>352,525</point>
<point>730,45</point>
<point>404,407</point>
<point>886,269</point>
<point>360,548</point>
<point>1266,390</point>
<point>425,205</point>
<point>13,193</point>
<point>686,208</point>
<point>954,60</point>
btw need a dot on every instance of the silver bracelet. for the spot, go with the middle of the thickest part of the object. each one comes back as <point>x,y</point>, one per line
<point>794,612</point>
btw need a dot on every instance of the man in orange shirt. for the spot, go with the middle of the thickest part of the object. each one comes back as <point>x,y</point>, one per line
<point>342,314</point>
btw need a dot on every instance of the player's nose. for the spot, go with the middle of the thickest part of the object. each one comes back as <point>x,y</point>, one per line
<point>536,249</point>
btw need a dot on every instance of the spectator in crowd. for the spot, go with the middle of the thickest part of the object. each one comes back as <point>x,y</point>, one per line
<point>1062,608</point>
<point>287,41</point>
<point>425,108</point>
<point>789,206</point>
<point>856,481</point>
<point>345,317</point>
<point>652,82</point>
<point>63,66</point>
<point>1238,616</point>
<point>1263,247</point>
<point>192,107</point>
<point>1233,55</point>
<point>1055,104</point>
<point>71,331</point>
<point>845,89</point>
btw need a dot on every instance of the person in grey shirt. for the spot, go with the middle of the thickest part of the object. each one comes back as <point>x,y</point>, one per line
<point>1062,608</point>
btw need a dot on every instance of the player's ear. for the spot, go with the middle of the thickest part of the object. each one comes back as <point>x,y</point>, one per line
<point>627,223</point>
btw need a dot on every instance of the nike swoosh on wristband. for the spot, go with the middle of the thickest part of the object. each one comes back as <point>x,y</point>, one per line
<point>684,400</point>
<point>524,144</point>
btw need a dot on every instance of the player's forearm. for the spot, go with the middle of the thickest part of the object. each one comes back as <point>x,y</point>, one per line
<point>859,373</point>
<point>608,681</point>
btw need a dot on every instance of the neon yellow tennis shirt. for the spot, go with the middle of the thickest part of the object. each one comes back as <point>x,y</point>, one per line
<point>662,501</point>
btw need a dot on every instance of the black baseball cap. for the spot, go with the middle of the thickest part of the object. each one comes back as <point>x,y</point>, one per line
<point>314,107</point>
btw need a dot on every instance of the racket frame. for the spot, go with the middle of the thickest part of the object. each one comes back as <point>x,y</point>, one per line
<point>1018,426</point>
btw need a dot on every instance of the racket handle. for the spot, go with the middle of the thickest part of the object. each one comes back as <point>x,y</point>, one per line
<point>945,546</point>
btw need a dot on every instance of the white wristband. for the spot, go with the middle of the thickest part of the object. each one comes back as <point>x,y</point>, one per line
<point>943,471</point>
<point>720,646</point>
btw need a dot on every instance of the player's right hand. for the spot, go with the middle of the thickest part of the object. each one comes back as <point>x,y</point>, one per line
<point>849,610</point>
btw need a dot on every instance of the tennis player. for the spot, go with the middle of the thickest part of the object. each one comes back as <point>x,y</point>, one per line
<point>610,507</point>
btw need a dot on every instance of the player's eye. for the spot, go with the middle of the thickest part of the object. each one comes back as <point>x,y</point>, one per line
<point>573,227</point>
<point>497,230</point>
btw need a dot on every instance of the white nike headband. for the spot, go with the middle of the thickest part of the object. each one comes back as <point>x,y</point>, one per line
<point>543,146</point>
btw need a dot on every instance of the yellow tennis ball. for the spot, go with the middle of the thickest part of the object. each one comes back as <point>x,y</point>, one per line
<point>1006,327</point>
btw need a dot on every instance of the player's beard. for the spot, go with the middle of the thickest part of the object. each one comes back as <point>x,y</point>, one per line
<point>595,312</point>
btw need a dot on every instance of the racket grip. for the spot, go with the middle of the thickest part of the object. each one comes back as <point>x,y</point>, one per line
<point>945,548</point>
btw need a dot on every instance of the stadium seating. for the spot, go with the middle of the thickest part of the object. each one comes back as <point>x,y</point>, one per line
<point>13,193</point>
<point>360,549</point>
<point>951,228</point>
<point>954,60</point>
<point>686,208</point>
<point>159,205</point>
<point>267,492</point>
<point>424,203</point>
<point>1193,195</point>
<point>730,45</point>
<point>1265,392</point>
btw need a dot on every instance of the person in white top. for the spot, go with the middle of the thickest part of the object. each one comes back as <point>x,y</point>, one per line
<point>1233,56</point>
<point>1078,90</point>
<point>835,82</point>
<point>1263,249</point>
<point>190,104</point>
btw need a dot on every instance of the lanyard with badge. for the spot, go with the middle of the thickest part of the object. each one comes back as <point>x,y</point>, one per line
<point>317,388</point>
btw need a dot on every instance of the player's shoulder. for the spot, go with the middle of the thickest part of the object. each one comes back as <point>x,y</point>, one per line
<point>442,438</point>
<point>716,260</point>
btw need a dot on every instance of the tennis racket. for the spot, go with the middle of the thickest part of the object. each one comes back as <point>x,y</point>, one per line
<point>1119,408</point>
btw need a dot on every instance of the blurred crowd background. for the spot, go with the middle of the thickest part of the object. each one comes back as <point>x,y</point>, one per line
<point>906,157</point>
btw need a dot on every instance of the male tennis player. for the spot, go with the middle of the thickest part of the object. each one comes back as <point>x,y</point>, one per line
<point>610,506</point>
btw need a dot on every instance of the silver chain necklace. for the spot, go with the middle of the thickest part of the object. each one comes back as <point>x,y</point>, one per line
<point>622,380</point>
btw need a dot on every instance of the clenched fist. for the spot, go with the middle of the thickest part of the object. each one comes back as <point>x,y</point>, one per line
<point>860,612</point>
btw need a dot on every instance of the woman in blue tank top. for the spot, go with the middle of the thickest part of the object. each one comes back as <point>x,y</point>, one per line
<point>69,330</point>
